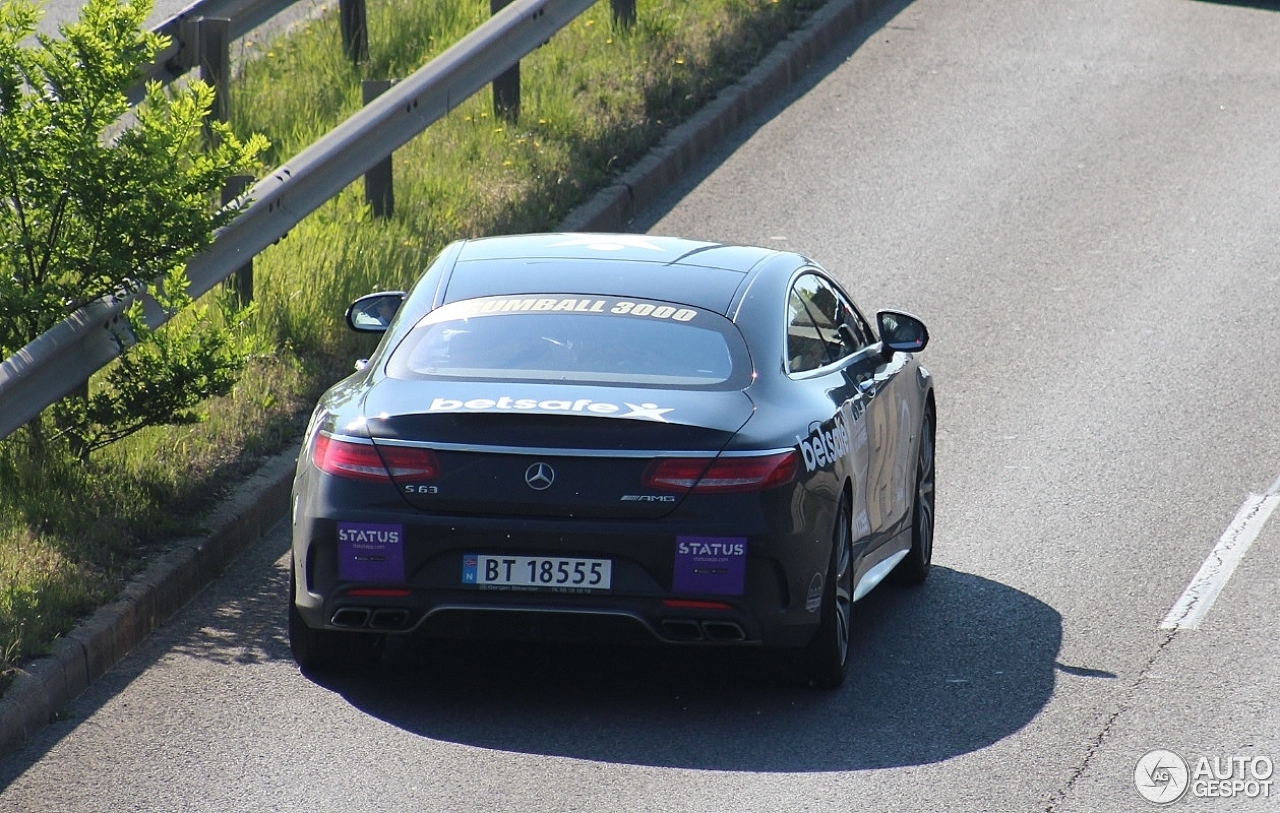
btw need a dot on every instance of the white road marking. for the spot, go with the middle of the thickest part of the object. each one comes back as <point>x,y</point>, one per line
<point>1231,548</point>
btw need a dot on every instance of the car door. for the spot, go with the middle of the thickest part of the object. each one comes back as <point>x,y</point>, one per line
<point>878,377</point>
<point>819,353</point>
<point>847,339</point>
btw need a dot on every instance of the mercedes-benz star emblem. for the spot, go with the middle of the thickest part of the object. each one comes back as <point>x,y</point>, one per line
<point>539,476</point>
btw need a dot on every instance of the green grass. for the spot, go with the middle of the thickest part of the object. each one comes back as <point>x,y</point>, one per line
<point>594,100</point>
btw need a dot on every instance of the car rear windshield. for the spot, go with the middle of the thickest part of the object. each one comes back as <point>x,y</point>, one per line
<point>587,339</point>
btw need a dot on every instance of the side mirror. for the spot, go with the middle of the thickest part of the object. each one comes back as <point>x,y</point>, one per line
<point>372,313</point>
<point>902,332</point>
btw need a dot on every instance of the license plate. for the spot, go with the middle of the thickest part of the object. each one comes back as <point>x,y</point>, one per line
<point>535,572</point>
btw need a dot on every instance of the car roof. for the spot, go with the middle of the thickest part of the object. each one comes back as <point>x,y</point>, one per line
<point>691,272</point>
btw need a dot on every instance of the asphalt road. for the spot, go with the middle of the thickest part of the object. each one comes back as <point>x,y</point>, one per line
<point>60,12</point>
<point>57,13</point>
<point>1080,198</point>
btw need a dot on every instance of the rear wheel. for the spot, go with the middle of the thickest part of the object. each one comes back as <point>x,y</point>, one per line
<point>914,569</point>
<point>827,656</point>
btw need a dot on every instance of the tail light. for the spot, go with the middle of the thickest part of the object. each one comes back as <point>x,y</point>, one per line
<point>380,464</point>
<point>721,475</point>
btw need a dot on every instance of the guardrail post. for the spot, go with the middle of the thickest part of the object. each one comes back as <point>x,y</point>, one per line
<point>241,280</point>
<point>624,12</point>
<point>506,88</point>
<point>353,21</point>
<point>206,44</point>
<point>378,190</point>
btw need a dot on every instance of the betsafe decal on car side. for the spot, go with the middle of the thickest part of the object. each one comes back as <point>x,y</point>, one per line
<point>824,446</point>
<point>566,406</point>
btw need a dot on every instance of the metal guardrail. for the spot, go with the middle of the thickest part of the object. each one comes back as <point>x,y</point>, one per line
<point>244,16</point>
<point>61,360</point>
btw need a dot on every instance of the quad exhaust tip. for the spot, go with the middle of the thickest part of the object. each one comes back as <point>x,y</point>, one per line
<point>354,617</point>
<point>389,619</point>
<point>685,629</point>
<point>382,618</point>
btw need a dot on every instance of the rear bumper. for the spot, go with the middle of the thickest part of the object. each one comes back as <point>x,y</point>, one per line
<point>620,621</point>
<point>775,606</point>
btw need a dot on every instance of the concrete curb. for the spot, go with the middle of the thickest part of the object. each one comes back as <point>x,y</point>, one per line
<point>40,692</point>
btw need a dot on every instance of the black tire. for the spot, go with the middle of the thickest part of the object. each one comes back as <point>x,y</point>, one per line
<point>326,650</point>
<point>914,569</point>
<point>826,659</point>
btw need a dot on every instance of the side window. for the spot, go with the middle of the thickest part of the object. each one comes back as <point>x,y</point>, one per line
<point>806,349</point>
<point>822,326</point>
<point>859,330</point>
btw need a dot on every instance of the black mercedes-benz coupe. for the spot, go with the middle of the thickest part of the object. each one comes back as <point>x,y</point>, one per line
<point>585,436</point>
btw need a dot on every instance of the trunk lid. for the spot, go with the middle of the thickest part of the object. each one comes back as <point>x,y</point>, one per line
<point>549,450</point>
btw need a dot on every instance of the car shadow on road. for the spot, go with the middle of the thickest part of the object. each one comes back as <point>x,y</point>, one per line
<point>1264,5</point>
<point>939,671</point>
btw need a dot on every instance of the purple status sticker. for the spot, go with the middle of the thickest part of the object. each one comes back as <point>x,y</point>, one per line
<point>710,564</point>
<point>369,552</point>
